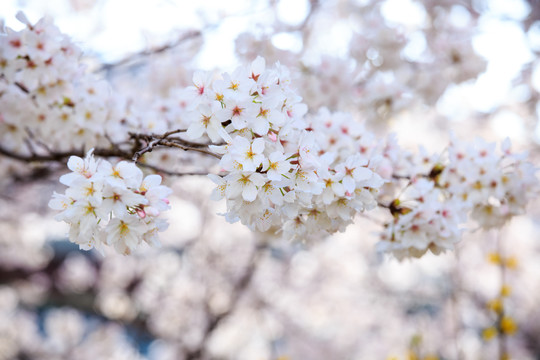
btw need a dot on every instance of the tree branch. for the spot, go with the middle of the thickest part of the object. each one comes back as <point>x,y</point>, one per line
<point>187,36</point>
<point>147,141</point>
<point>165,140</point>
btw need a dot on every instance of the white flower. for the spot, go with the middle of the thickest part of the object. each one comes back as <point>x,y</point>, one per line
<point>239,109</point>
<point>197,93</point>
<point>123,174</point>
<point>82,188</point>
<point>121,200</point>
<point>248,154</point>
<point>333,186</point>
<point>276,166</point>
<point>204,121</point>
<point>220,191</point>
<point>244,183</point>
<point>353,170</point>
<point>156,195</point>
<point>85,168</point>
<point>126,233</point>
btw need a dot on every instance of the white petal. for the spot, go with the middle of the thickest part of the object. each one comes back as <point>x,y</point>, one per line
<point>250,193</point>
<point>76,164</point>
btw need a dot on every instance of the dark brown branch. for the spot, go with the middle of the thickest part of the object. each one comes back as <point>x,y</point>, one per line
<point>22,87</point>
<point>190,148</point>
<point>139,144</point>
<point>160,170</point>
<point>165,140</point>
<point>57,156</point>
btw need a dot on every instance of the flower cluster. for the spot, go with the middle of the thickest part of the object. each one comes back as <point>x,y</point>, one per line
<point>495,186</point>
<point>109,204</point>
<point>45,94</point>
<point>473,180</point>
<point>424,220</point>
<point>282,171</point>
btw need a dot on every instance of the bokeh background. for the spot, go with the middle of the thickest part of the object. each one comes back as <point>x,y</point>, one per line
<point>214,290</point>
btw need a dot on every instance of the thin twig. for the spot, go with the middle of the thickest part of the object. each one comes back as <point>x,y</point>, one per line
<point>172,173</point>
<point>152,141</point>
<point>190,148</point>
<point>146,53</point>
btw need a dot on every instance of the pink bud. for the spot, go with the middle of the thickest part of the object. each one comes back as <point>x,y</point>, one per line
<point>166,201</point>
<point>141,213</point>
<point>272,136</point>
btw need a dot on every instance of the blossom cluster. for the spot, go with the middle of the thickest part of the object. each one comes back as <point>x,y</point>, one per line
<point>109,204</point>
<point>495,186</point>
<point>50,102</point>
<point>474,181</point>
<point>423,220</point>
<point>283,171</point>
<point>46,95</point>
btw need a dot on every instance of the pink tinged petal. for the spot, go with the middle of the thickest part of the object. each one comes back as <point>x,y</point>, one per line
<point>152,211</point>
<point>272,136</point>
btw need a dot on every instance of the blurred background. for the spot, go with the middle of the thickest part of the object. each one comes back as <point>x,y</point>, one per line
<point>421,69</point>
